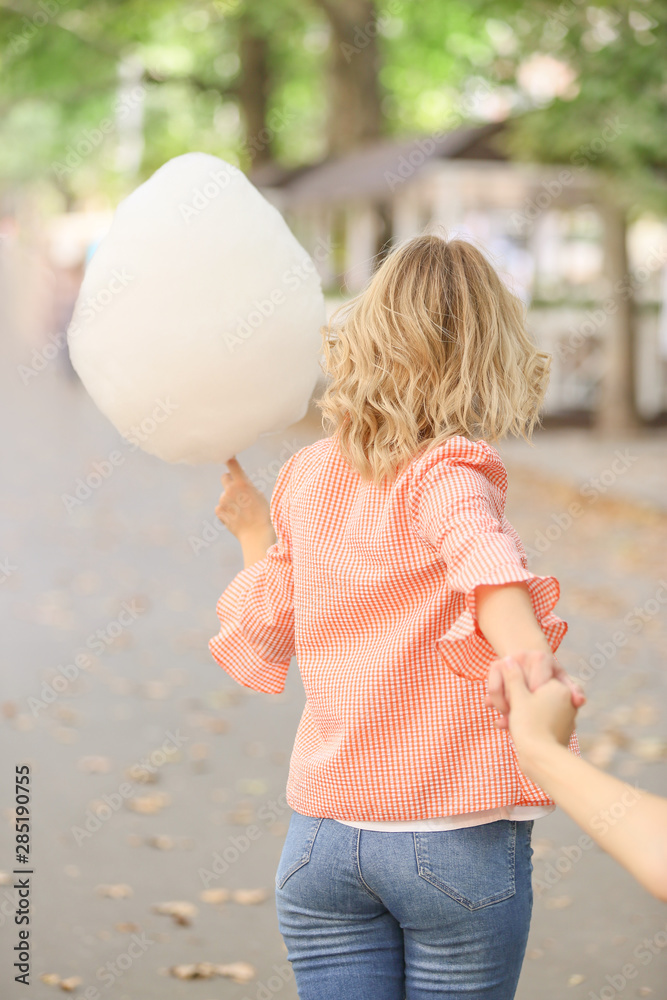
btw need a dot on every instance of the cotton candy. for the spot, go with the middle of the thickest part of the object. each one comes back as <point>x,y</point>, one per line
<point>197,327</point>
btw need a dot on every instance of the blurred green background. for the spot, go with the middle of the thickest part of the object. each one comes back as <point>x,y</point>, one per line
<point>94,97</point>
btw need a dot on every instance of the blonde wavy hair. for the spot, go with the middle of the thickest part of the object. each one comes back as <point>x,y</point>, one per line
<point>436,345</point>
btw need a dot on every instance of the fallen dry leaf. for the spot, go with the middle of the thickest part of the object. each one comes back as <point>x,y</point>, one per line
<point>644,714</point>
<point>50,978</point>
<point>94,765</point>
<point>217,726</point>
<point>239,972</point>
<point>162,842</point>
<point>70,984</point>
<point>249,896</point>
<point>141,775</point>
<point>119,891</point>
<point>215,895</point>
<point>576,979</point>
<point>181,911</point>
<point>223,699</point>
<point>149,804</point>
<point>557,902</point>
<point>65,734</point>
<point>242,815</point>
<point>602,751</point>
<point>252,786</point>
<point>202,970</point>
<point>651,749</point>
<point>24,723</point>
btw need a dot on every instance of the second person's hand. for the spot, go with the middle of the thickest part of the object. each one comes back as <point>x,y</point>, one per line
<point>536,668</point>
<point>537,719</point>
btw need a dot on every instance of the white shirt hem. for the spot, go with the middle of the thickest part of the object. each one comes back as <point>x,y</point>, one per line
<point>517,813</point>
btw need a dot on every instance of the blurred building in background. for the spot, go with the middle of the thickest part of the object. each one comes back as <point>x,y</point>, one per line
<point>543,226</point>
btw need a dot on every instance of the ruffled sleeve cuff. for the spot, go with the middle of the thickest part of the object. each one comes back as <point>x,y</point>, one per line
<point>464,646</point>
<point>239,653</point>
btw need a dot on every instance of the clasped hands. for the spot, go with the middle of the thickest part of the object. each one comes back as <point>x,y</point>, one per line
<point>536,669</point>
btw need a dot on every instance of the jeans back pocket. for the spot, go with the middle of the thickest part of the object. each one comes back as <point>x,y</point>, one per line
<point>474,865</point>
<point>299,841</point>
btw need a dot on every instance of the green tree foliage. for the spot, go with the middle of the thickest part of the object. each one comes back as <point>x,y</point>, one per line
<point>613,116</point>
<point>60,64</point>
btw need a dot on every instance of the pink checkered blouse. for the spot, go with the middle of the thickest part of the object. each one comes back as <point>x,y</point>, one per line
<point>372,588</point>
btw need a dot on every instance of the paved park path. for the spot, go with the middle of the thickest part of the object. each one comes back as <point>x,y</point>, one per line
<point>155,774</point>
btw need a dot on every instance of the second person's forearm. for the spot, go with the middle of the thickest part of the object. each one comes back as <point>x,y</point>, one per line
<point>631,825</point>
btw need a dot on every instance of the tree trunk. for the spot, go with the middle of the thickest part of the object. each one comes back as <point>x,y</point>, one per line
<point>253,93</point>
<point>616,409</point>
<point>355,112</point>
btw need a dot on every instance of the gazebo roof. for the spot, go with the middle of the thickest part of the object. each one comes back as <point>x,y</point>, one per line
<point>362,173</point>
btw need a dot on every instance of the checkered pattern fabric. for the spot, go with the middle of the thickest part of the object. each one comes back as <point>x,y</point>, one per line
<point>372,588</point>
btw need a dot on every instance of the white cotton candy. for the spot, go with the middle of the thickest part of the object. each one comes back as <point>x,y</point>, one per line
<point>197,327</point>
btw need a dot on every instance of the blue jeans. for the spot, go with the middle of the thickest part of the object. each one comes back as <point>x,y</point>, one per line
<point>375,915</point>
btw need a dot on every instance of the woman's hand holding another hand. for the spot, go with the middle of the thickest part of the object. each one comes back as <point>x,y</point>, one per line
<point>536,668</point>
<point>539,717</point>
